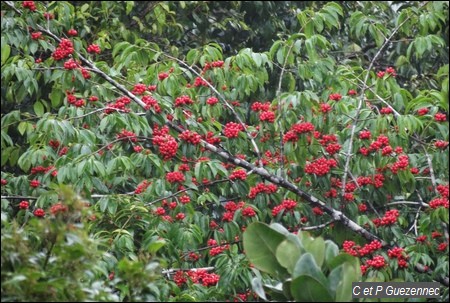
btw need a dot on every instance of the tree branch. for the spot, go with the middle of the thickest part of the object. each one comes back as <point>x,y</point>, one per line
<point>320,226</point>
<point>361,102</point>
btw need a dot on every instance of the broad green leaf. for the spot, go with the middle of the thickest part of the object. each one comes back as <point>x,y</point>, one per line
<point>344,289</point>
<point>307,265</point>
<point>258,288</point>
<point>38,108</point>
<point>317,248</point>
<point>22,127</point>
<point>341,259</point>
<point>6,51</point>
<point>155,246</point>
<point>288,254</point>
<point>260,245</point>
<point>307,289</point>
<point>331,251</point>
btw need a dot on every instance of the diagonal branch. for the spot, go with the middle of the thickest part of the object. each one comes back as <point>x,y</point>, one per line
<point>255,146</point>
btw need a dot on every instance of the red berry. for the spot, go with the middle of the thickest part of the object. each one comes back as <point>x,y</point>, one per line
<point>34,183</point>
<point>93,49</point>
<point>24,205</point>
<point>72,32</point>
<point>39,213</point>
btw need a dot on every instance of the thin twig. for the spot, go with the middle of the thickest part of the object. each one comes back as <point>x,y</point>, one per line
<point>184,190</point>
<point>174,270</point>
<point>320,226</point>
<point>20,197</point>
<point>280,111</point>
<point>421,204</point>
<point>361,102</point>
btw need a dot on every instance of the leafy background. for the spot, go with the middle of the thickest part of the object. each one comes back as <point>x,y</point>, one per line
<point>126,220</point>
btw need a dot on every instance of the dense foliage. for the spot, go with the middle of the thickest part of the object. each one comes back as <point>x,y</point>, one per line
<point>146,146</point>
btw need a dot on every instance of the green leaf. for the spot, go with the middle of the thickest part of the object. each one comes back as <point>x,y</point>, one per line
<point>331,251</point>
<point>288,254</point>
<point>22,127</point>
<point>38,108</point>
<point>56,98</point>
<point>260,244</point>
<point>334,278</point>
<point>317,248</point>
<point>307,265</point>
<point>344,289</point>
<point>129,7</point>
<point>307,289</point>
<point>258,288</point>
<point>341,259</point>
<point>156,245</point>
<point>6,51</point>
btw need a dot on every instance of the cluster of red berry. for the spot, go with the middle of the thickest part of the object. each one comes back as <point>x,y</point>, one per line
<point>71,64</point>
<point>399,254</point>
<point>36,35</point>
<point>39,212</point>
<point>297,129</point>
<point>248,212</point>
<point>127,135</point>
<point>41,169</point>
<point>183,100</point>
<point>390,71</point>
<point>238,174</point>
<point>401,164</point>
<point>24,204</point>
<point>175,177</point>
<point>325,108</point>
<point>142,186</point>
<point>440,117</point>
<point>120,104</point>
<point>190,137</point>
<point>217,64</point>
<point>35,183</point>
<point>320,167</point>
<point>72,32</point>
<point>441,144</point>
<point>376,262</point>
<point>335,97</point>
<point>167,144</point>
<point>71,99</point>
<point>29,5</point>
<point>438,202</point>
<point>162,76</point>
<point>209,137</point>
<point>58,208</point>
<point>139,89</point>
<point>232,130</point>
<point>262,188</point>
<point>355,250</point>
<point>212,100</point>
<point>214,251</point>
<point>64,50</point>
<point>197,277</point>
<point>389,218</point>
<point>200,82</point>
<point>151,102</point>
<point>231,208</point>
<point>93,49</point>
<point>386,111</point>
<point>287,205</point>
